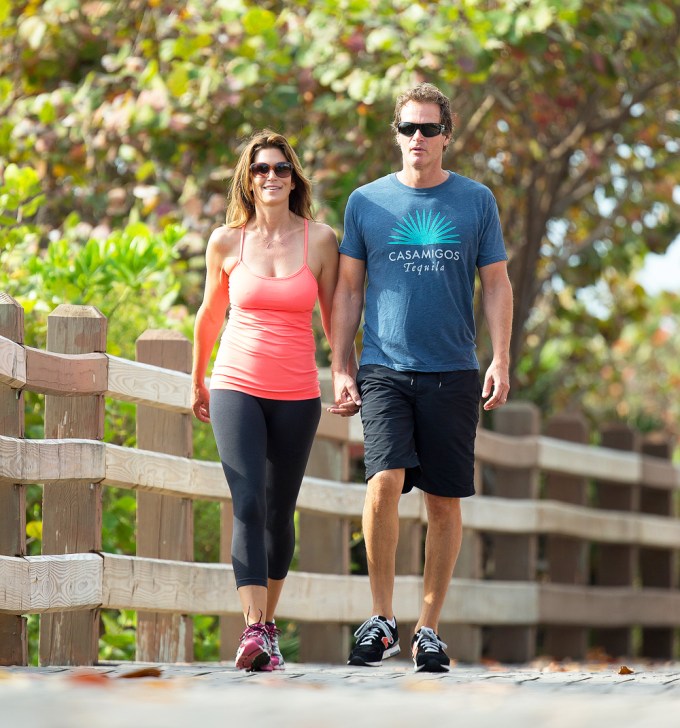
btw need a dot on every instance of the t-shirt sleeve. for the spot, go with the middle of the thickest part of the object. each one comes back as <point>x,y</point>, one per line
<point>353,243</point>
<point>491,245</point>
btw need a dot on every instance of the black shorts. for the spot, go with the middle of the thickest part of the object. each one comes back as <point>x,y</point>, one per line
<point>425,423</point>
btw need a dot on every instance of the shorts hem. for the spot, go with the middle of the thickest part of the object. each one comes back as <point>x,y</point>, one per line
<point>449,494</point>
<point>380,467</point>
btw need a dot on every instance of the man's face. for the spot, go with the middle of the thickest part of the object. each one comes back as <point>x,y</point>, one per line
<point>419,151</point>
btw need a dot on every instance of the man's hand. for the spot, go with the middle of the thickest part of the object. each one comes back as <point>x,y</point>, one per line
<point>496,384</point>
<point>347,399</point>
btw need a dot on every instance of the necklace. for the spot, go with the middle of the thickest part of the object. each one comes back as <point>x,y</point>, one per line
<point>268,241</point>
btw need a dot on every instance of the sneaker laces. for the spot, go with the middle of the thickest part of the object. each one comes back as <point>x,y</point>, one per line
<point>256,629</point>
<point>427,641</point>
<point>273,633</point>
<point>371,630</point>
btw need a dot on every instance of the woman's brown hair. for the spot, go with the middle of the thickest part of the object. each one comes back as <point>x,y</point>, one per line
<point>241,202</point>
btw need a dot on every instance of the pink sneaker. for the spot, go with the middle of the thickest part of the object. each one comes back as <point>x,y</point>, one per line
<point>254,650</point>
<point>273,633</point>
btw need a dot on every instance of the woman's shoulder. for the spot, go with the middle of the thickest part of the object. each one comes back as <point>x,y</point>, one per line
<point>322,234</point>
<point>225,240</point>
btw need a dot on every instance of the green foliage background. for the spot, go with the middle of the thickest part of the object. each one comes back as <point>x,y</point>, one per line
<point>120,124</point>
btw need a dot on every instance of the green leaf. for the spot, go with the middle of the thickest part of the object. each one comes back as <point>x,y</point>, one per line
<point>178,81</point>
<point>383,39</point>
<point>258,20</point>
<point>32,30</point>
<point>34,530</point>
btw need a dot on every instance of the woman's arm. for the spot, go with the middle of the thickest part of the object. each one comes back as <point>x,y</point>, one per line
<point>210,316</point>
<point>327,247</point>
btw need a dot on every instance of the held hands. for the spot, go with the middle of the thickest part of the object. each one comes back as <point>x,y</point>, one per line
<point>347,399</point>
<point>200,402</point>
<point>496,384</point>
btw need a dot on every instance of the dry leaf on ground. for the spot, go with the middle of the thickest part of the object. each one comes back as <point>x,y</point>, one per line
<point>143,672</point>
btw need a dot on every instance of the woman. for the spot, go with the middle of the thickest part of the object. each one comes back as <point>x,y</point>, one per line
<point>269,264</point>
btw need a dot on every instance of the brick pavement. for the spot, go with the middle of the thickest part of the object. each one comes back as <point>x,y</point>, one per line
<point>213,694</point>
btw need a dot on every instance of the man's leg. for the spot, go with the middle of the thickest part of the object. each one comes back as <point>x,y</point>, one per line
<point>381,534</point>
<point>442,545</point>
<point>378,637</point>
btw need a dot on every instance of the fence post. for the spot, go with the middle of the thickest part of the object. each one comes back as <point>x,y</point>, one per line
<point>13,641</point>
<point>615,565</point>
<point>231,625</point>
<point>72,512</point>
<point>515,556</point>
<point>324,541</point>
<point>567,557</point>
<point>164,523</point>
<point>465,640</point>
<point>409,560</point>
<point>658,567</point>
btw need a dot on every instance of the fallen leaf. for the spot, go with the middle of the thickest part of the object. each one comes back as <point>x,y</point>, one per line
<point>88,677</point>
<point>623,670</point>
<point>143,672</point>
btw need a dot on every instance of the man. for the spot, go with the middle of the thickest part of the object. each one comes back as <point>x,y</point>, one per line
<point>418,236</point>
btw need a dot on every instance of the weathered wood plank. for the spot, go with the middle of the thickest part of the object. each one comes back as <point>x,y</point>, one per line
<point>324,545</point>
<point>165,526</point>
<point>608,607</point>
<point>658,568</point>
<point>13,635</point>
<point>164,474</point>
<point>15,587</point>
<point>515,556</point>
<point>72,510</point>
<point>163,585</point>
<point>40,584</point>
<point>52,460</point>
<point>65,374</point>
<point>12,363</point>
<point>506,450</point>
<point>148,384</point>
<point>43,584</point>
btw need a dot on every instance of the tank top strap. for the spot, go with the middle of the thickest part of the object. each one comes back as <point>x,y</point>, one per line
<point>306,236</point>
<point>240,247</point>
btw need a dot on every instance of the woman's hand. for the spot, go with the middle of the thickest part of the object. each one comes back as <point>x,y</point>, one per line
<point>200,402</point>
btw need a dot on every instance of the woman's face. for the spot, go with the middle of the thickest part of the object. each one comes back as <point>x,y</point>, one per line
<point>269,188</point>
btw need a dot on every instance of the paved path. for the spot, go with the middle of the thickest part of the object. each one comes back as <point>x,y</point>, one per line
<point>328,696</point>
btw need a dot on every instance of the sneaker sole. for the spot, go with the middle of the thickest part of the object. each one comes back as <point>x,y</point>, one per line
<point>432,666</point>
<point>360,662</point>
<point>256,659</point>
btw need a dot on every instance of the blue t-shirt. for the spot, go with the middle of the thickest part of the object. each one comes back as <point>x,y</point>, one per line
<point>421,248</point>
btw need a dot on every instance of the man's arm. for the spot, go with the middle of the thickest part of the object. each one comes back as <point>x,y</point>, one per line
<point>348,303</point>
<point>497,304</point>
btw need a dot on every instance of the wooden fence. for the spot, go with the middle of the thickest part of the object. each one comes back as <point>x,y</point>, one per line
<point>568,546</point>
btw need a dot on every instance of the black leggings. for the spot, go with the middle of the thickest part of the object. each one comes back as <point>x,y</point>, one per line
<point>264,445</point>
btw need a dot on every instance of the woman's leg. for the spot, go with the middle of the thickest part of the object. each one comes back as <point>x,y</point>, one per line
<point>291,427</point>
<point>241,435</point>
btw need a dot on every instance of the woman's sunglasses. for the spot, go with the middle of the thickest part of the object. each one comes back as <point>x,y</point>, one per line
<point>409,128</point>
<point>281,169</point>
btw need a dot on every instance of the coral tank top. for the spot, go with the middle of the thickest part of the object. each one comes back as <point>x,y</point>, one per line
<point>267,348</point>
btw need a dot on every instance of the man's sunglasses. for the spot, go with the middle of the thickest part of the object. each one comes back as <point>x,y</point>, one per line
<point>409,128</point>
<point>281,169</point>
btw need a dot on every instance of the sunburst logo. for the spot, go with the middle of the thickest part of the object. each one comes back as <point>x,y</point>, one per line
<point>424,230</point>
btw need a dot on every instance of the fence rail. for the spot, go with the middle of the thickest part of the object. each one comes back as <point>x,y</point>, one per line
<point>566,546</point>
